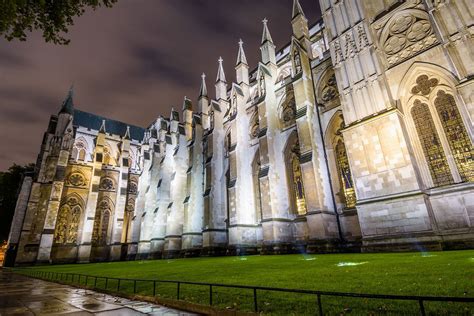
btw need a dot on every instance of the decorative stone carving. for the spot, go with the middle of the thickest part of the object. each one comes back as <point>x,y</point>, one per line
<point>132,188</point>
<point>424,85</point>
<point>405,33</point>
<point>107,184</point>
<point>76,179</point>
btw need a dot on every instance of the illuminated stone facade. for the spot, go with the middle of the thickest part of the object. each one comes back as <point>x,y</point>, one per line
<point>357,135</point>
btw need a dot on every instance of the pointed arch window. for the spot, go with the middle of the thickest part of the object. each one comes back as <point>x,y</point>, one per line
<point>295,176</point>
<point>431,144</point>
<point>345,176</point>
<point>443,137</point>
<point>79,150</point>
<point>102,223</point>
<point>456,134</point>
<point>67,223</point>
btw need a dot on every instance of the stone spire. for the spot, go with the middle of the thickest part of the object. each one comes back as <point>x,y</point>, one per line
<point>203,90</point>
<point>68,104</point>
<point>220,71</point>
<point>242,68</point>
<point>241,58</point>
<point>102,127</point>
<point>203,100</point>
<point>297,10</point>
<point>221,83</point>
<point>266,37</point>
<point>267,48</point>
<point>299,24</point>
<point>127,133</point>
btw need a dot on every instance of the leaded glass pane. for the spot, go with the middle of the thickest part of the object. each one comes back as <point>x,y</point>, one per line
<point>431,145</point>
<point>458,139</point>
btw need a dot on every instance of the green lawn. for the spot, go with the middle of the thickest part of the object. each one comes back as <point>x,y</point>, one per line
<point>434,274</point>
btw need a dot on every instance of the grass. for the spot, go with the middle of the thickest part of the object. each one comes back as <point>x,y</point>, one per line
<point>432,274</point>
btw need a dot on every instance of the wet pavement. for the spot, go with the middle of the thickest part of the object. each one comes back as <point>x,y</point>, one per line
<point>21,295</point>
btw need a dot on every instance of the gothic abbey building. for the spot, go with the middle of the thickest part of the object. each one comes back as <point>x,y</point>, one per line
<point>356,136</point>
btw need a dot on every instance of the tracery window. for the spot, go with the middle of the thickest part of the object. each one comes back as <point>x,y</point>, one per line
<point>443,137</point>
<point>345,176</point>
<point>458,139</point>
<point>294,173</point>
<point>297,179</point>
<point>67,223</point>
<point>79,151</point>
<point>431,145</point>
<point>101,223</point>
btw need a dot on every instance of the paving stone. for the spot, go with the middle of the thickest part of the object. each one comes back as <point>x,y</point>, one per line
<point>21,295</point>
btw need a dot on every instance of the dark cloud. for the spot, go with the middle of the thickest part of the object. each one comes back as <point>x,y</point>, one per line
<point>131,63</point>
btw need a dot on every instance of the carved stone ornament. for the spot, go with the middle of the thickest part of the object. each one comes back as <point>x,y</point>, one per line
<point>76,179</point>
<point>107,184</point>
<point>405,33</point>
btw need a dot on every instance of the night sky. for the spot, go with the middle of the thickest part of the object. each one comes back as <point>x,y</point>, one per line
<point>132,62</point>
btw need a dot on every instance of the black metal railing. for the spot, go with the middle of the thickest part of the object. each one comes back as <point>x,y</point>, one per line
<point>59,276</point>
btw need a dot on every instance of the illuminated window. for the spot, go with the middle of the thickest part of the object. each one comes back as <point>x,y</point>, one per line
<point>430,144</point>
<point>345,176</point>
<point>67,223</point>
<point>456,134</point>
<point>295,177</point>
<point>101,223</point>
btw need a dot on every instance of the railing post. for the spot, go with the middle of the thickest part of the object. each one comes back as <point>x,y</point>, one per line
<point>320,305</point>
<point>87,279</point>
<point>210,294</point>
<point>255,303</point>
<point>177,294</point>
<point>95,282</point>
<point>106,282</point>
<point>154,287</point>
<point>422,308</point>
<point>118,285</point>
<point>134,286</point>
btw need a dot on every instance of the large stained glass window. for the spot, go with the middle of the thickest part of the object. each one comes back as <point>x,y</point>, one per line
<point>67,223</point>
<point>431,145</point>
<point>345,177</point>
<point>101,223</point>
<point>456,134</point>
<point>298,187</point>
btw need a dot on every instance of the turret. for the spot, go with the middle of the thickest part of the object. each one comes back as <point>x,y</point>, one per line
<point>241,66</point>
<point>188,117</point>
<point>267,47</point>
<point>221,83</point>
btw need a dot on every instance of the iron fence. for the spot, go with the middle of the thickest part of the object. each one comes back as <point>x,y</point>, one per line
<point>72,277</point>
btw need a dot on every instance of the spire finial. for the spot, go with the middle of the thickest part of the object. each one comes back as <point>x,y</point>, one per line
<point>127,133</point>
<point>266,37</point>
<point>220,71</point>
<point>102,127</point>
<point>297,10</point>
<point>241,58</point>
<point>68,104</point>
<point>203,90</point>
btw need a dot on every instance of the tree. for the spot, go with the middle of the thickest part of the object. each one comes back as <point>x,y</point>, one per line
<point>52,17</point>
<point>10,182</point>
